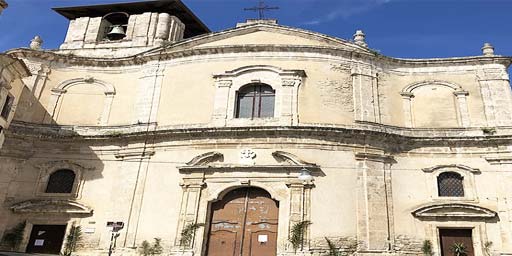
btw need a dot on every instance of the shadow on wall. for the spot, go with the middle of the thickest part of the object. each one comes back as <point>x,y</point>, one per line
<point>45,171</point>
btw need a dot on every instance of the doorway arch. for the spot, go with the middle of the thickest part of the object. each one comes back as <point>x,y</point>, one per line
<point>244,222</point>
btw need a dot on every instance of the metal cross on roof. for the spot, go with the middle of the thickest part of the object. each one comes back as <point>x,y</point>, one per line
<point>261,8</point>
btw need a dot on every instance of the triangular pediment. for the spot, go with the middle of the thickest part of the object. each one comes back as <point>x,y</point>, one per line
<point>51,206</point>
<point>451,210</point>
<point>267,34</point>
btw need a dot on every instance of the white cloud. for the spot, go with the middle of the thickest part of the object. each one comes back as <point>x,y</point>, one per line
<point>347,8</point>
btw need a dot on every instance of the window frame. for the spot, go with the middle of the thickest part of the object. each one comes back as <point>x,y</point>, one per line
<point>468,176</point>
<point>257,97</point>
<point>459,178</point>
<point>48,183</point>
<point>48,168</point>
<point>284,82</point>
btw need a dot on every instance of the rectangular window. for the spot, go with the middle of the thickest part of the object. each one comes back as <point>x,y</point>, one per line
<point>6,109</point>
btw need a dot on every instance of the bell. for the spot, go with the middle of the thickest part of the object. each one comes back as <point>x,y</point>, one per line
<point>117,33</point>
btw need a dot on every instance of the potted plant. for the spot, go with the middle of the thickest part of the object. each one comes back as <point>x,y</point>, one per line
<point>459,249</point>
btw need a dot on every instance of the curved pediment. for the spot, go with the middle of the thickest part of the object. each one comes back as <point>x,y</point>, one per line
<point>291,159</point>
<point>206,158</point>
<point>51,206</point>
<point>267,34</point>
<point>458,210</point>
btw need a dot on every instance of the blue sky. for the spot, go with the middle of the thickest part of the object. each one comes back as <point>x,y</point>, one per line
<point>397,28</point>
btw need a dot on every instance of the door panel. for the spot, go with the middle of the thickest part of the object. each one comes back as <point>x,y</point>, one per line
<point>449,237</point>
<point>46,239</point>
<point>250,217</point>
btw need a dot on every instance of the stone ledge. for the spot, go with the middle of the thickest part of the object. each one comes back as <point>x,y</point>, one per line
<point>359,130</point>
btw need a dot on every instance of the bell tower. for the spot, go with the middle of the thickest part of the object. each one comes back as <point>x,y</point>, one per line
<point>131,26</point>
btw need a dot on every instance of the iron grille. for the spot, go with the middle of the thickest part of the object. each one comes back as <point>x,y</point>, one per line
<point>61,181</point>
<point>450,184</point>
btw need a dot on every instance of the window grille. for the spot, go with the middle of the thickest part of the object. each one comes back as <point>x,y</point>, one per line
<point>255,101</point>
<point>61,181</point>
<point>450,184</point>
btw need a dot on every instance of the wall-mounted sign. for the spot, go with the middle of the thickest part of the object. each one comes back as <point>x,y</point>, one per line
<point>115,225</point>
<point>39,242</point>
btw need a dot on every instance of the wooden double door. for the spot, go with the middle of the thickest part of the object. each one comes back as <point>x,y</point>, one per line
<point>451,238</point>
<point>46,239</point>
<point>244,223</point>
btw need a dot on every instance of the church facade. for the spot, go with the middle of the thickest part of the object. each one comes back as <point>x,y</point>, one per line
<point>261,139</point>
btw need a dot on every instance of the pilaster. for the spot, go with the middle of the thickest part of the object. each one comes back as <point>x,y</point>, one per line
<point>148,95</point>
<point>407,106</point>
<point>366,94</point>
<point>374,202</point>
<point>496,95</point>
<point>189,208</point>
<point>463,108</point>
<point>300,208</point>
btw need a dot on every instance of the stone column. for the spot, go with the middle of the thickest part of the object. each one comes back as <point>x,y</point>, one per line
<point>300,208</point>
<point>221,102</point>
<point>366,94</point>
<point>407,106</point>
<point>463,108</point>
<point>374,202</point>
<point>148,93</point>
<point>496,95</point>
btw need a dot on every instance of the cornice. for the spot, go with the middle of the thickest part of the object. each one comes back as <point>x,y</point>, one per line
<point>383,135</point>
<point>163,54</point>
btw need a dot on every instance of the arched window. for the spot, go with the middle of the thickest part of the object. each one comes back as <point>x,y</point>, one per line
<point>450,184</point>
<point>61,181</point>
<point>255,101</point>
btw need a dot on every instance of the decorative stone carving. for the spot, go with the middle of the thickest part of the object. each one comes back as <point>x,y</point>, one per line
<point>445,166</point>
<point>291,159</point>
<point>457,210</point>
<point>52,206</point>
<point>488,49</point>
<point>359,38</point>
<point>36,43</point>
<point>206,158</point>
<point>247,157</point>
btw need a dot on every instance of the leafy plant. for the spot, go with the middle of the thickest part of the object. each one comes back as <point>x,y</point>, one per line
<point>459,249</point>
<point>72,240</point>
<point>187,234</point>
<point>426,248</point>
<point>148,249</point>
<point>297,234</point>
<point>13,237</point>
<point>487,248</point>
<point>333,251</point>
